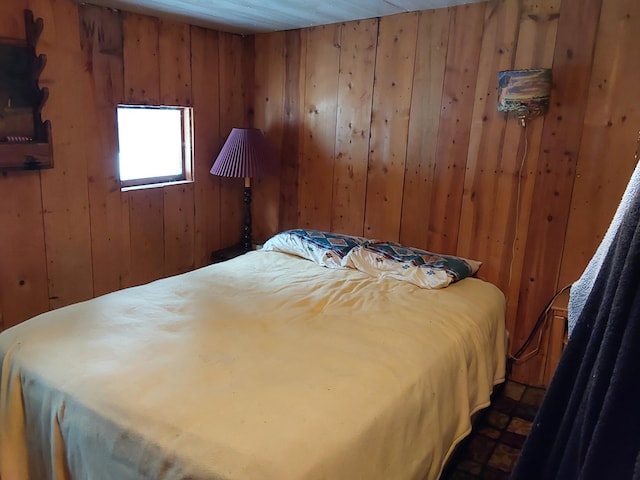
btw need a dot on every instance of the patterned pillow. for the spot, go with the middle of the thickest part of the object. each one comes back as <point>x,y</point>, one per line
<point>423,269</point>
<point>325,248</point>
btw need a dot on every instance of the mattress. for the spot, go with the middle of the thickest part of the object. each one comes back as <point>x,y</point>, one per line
<point>266,366</point>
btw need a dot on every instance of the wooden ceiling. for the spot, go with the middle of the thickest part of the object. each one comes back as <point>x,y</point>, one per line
<point>252,16</point>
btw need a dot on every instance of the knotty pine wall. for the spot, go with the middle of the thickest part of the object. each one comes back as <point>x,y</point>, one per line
<point>385,128</point>
<point>388,128</point>
<point>69,234</point>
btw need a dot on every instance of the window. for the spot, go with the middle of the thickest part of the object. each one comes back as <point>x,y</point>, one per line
<point>154,144</point>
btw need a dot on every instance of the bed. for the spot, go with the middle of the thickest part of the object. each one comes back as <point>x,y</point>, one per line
<point>266,366</point>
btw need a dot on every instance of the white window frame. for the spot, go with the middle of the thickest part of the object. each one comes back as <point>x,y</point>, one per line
<point>186,123</point>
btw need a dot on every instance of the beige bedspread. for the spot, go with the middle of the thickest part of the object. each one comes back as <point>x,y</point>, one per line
<point>263,367</point>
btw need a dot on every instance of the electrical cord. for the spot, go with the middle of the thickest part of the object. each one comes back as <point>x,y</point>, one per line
<point>515,234</point>
<point>519,356</point>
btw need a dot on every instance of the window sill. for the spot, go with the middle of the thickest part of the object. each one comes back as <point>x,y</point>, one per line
<point>154,185</point>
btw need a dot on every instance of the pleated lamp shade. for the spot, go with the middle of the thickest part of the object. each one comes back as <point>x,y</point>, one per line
<point>524,92</point>
<point>246,153</point>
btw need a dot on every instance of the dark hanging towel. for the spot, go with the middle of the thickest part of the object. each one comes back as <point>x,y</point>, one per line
<point>588,426</point>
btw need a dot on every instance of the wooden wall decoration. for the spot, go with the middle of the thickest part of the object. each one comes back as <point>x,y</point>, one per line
<point>385,127</point>
<point>25,140</point>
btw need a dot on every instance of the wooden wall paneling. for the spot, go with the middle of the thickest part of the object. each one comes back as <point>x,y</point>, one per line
<point>207,141</point>
<point>485,163</point>
<point>355,87</point>
<point>147,234</point>
<point>497,196</point>
<point>424,121</point>
<point>561,138</point>
<point>174,58</point>
<point>248,53</point>
<point>125,239</point>
<point>231,115</point>
<point>293,132</point>
<point>23,262</point>
<point>101,43</point>
<point>23,272</point>
<point>535,48</point>
<point>465,41</point>
<point>141,59</point>
<point>395,58</point>
<point>174,41</point>
<point>142,86</point>
<point>179,228</point>
<point>611,126</point>
<point>64,188</point>
<point>320,97</point>
<point>12,19</point>
<point>268,116</point>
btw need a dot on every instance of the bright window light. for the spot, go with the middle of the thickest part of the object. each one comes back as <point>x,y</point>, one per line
<point>154,144</point>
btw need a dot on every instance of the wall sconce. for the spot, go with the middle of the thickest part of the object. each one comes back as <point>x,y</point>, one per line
<point>524,92</point>
<point>245,154</point>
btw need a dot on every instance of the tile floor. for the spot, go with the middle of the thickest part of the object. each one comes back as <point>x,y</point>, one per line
<point>492,449</point>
